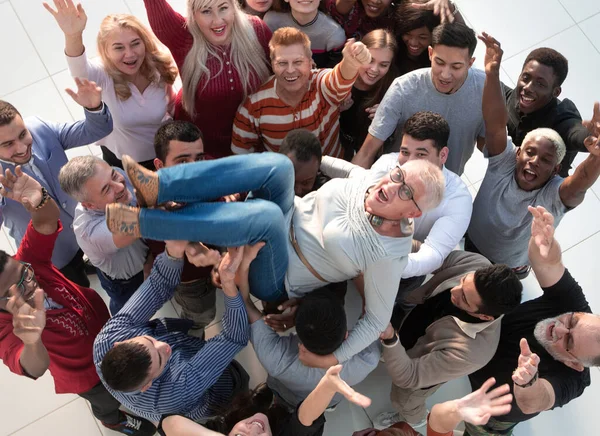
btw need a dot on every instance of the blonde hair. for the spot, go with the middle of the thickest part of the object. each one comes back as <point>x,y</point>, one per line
<point>553,137</point>
<point>157,60</point>
<point>287,36</point>
<point>247,55</point>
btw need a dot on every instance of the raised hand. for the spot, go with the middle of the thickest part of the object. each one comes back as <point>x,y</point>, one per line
<point>527,364</point>
<point>200,255</point>
<point>592,142</point>
<point>22,188</point>
<point>230,264</point>
<point>356,53</point>
<point>479,406</point>
<point>70,18</point>
<point>542,230</point>
<point>88,95</point>
<point>441,8</point>
<point>333,380</point>
<point>28,321</point>
<point>493,53</point>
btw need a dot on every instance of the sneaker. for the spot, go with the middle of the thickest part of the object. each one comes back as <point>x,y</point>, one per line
<point>386,419</point>
<point>133,426</point>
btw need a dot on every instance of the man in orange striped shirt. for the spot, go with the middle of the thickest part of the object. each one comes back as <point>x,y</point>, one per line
<point>297,96</point>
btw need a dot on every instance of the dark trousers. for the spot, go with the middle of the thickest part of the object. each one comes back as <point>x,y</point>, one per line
<point>75,270</point>
<point>401,307</point>
<point>110,158</point>
<point>104,406</point>
<point>118,290</point>
<point>198,303</point>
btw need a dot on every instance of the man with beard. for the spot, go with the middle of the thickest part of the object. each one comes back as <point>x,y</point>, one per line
<point>558,338</point>
<point>39,147</point>
<point>534,103</point>
<point>521,177</point>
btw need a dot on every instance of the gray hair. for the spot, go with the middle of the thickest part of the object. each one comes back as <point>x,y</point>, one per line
<point>553,137</point>
<point>74,175</point>
<point>432,179</point>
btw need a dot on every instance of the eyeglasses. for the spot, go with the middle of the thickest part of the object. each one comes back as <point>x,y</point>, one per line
<point>568,336</point>
<point>26,277</point>
<point>405,192</point>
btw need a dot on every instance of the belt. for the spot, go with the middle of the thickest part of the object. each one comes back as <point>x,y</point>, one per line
<point>301,256</point>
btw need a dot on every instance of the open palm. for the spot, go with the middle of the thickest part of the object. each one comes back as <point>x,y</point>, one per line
<point>70,18</point>
<point>20,187</point>
<point>479,406</point>
<point>493,53</point>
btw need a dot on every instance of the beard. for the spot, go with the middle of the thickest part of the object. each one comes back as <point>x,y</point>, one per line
<point>540,335</point>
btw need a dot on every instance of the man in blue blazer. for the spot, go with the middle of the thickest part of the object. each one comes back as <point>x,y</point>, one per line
<point>39,147</point>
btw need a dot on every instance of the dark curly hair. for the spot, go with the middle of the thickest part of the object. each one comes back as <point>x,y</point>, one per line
<point>499,288</point>
<point>553,59</point>
<point>426,125</point>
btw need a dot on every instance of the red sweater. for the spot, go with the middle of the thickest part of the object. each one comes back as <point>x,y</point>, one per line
<point>217,104</point>
<point>70,331</point>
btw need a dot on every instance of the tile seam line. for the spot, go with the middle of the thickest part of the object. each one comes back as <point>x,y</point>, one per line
<point>43,416</point>
<point>540,41</point>
<point>29,38</point>
<point>580,242</point>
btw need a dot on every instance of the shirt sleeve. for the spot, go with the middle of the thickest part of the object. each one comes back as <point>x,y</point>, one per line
<point>82,67</point>
<point>143,304</point>
<point>569,127</point>
<point>567,385</point>
<point>337,39</point>
<point>169,27</point>
<point>549,197</point>
<point>332,85</point>
<point>295,428</point>
<point>94,127</point>
<point>263,34</point>
<point>381,286</point>
<point>389,112</point>
<point>217,353</point>
<point>568,293</point>
<point>503,162</point>
<point>98,238</point>
<point>36,247</point>
<point>245,137</point>
<point>11,348</point>
<point>444,236</point>
<point>271,349</point>
<point>385,163</point>
<point>339,168</point>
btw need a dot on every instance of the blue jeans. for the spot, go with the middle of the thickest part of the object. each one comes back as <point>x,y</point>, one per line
<point>269,177</point>
<point>118,290</point>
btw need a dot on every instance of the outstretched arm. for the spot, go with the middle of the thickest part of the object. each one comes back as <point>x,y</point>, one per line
<point>318,400</point>
<point>573,189</point>
<point>36,200</point>
<point>495,114</point>
<point>72,20</point>
<point>544,251</point>
<point>476,408</point>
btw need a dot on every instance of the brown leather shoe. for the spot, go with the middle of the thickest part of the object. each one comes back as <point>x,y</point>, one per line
<point>123,219</point>
<point>143,180</point>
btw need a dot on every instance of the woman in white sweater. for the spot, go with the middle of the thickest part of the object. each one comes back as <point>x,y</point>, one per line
<point>135,72</point>
<point>348,227</point>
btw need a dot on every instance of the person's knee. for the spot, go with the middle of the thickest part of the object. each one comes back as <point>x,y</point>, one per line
<point>264,220</point>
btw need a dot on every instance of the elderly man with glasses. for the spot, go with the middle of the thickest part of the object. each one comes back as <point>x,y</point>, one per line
<point>47,322</point>
<point>547,344</point>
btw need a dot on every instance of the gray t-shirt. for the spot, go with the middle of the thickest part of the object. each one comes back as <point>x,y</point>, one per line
<point>324,34</point>
<point>501,224</point>
<point>414,92</point>
<point>290,378</point>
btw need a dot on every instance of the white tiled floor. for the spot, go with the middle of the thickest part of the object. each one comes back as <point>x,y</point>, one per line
<point>33,77</point>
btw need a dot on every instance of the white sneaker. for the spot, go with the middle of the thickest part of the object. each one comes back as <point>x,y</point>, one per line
<point>386,419</point>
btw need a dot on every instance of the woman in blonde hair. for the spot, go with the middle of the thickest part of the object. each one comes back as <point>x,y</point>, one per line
<point>222,55</point>
<point>135,72</point>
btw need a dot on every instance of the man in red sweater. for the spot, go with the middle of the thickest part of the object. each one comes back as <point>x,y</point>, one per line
<point>48,322</point>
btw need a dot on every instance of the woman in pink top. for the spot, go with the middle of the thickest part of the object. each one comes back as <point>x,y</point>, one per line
<point>135,72</point>
<point>222,55</point>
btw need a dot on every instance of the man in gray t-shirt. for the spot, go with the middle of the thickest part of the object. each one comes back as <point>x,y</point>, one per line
<point>450,88</point>
<point>321,328</point>
<point>516,178</point>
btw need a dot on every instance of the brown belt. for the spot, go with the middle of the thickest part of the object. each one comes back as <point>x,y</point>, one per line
<point>301,256</point>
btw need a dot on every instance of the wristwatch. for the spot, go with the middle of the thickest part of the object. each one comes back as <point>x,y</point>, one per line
<point>531,382</point>
<point>391,342</point>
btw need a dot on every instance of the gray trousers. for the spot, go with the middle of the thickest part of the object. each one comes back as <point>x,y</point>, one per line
<point>198,302</point>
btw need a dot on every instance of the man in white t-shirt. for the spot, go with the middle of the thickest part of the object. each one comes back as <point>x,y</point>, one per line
<point>516,178</point>
<point>450,88</point>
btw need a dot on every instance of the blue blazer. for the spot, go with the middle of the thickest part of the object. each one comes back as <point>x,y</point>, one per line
<point>50,140</point>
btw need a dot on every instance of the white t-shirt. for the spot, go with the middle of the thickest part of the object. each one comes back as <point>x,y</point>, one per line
<point>414,92</point>
<point>440,229</point>
<point>136,119</point>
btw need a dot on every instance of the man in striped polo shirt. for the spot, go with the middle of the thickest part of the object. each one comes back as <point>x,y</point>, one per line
<point>297,96</point>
